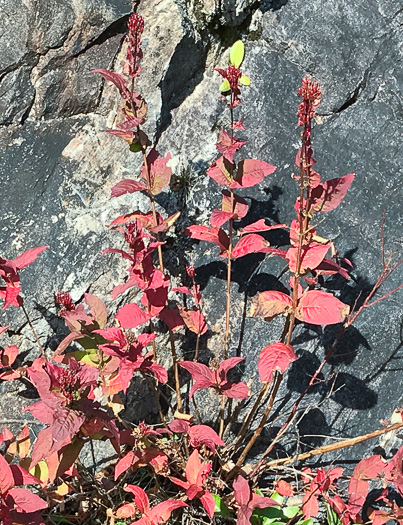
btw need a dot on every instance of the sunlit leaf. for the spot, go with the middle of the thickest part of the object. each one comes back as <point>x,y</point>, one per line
<point>236,54</point>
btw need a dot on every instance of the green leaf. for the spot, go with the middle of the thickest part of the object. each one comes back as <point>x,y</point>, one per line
<point>220,508</point>
<point>291,512</point>
<point>244,80</point>
<point>331,516</point>
<point>305,522</point>
<point>135,147</point>
<point>270,512</point>
<point>276,496</point>
<point>237,53</point>
<point>225,86</point>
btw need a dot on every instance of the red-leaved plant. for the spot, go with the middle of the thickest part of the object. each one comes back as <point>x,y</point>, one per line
<point>197,469</point>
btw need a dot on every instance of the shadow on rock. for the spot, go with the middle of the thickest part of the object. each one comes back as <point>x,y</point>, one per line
<point>351,392</point>
<point>313,429</point>
<point>181,78</point>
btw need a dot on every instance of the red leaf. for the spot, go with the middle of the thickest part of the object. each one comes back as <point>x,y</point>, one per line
<point>22,477</point>
<point>204,435</point>
<point>284,488</point>
<point>98,309</point>
<point>251,172</point>
<point>240,207</point>
<point>41,411</point>
<point>160,173</point>
<point>235,390</point>
<point>277,356</point>
<point>10,375</point>
<point>28,257</point>
<point>172,318</point>
<point>159,462</point>
<point>252,243</point>
<point>66,423</point>
<point>196,471</point>
<point>227,364</point>
<point>312,254</point>
<point>329,194</point>
<point>228,146</point>
<point>117,79</point>
<point>379,517</point>
<point>369,468</point>
<point>6,476</point>
<point>269,304</point>
<point>260,226</point>
<point>358,487</point>
<point>123,134</point>
<point>208,503</point>
<point>127,186</point>
<point>131,316</point>
<point>194,320</point>
<point>394,470</point>
<point>219,217</point>
<point>321,308</point>
<point>248,501</point>
<point>179,426</point>
<point>160,373</point>
<point>140,498</point>
<point>26,501</point>
<point>204,233</point>
<point>8,355</point>
<point>242,492</point>
<point>126,511</point>
<point>220,172</point>
<point>4,328</point>
<point>124,464</point>
<point>200,373</point>
<point>166,224</point>
<point>330,267</point>
<point>358,491</point>
<point>310,505</point>
<point>162,512</point>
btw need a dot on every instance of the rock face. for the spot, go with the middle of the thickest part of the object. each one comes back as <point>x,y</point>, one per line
<point>57,167</point>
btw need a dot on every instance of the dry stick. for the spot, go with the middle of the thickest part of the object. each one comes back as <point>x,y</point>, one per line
<point>334,446</point>
<point>33,331</point>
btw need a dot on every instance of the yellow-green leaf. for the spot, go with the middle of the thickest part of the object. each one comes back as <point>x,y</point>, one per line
<point>237,53</point>
<point>225,86</point>
<point>244,80</point>
<point>41,471</point>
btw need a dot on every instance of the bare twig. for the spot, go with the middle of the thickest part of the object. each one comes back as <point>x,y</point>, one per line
<point>330,448</point>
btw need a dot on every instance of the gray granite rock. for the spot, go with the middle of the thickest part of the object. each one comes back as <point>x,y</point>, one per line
<point>57,167</point>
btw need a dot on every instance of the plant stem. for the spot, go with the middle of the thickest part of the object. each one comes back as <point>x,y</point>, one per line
<point>304,219</point>
<point>160,258</point>
<point>151,382</point>
<point>259,429</point>
<point>33,332</point>
<point>229,269</point>
<point>247,421</point>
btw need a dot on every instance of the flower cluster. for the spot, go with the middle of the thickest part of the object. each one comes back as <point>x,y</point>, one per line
<point>311,95</point>
<point>134,52</point>
<point>65,301</point>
